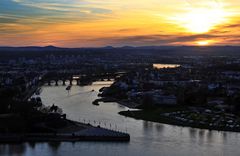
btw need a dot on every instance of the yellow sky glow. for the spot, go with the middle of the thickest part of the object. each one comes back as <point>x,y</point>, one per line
<point>118,23</point>
<point>204,43</point>
<point>202,20</point>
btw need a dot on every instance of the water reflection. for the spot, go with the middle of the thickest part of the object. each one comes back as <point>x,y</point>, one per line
<point>12,149</point>
<point>224,134</point>
<point>160,66</point>
<point>160,128</point>
<point>209,136</point>
<point>192,133</point>
<point>54,146</point>
<point>32,144</point>
<point>147,125</point>
<point>201,137</point>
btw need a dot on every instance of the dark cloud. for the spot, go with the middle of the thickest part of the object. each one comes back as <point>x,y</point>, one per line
<point>226,28</point>
<point>194,37</point>
<point>237,25</point>
<point>156,39</point>
<point>128,30</point>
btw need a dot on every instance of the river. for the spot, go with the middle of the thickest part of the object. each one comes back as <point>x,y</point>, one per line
<point>147,138</point>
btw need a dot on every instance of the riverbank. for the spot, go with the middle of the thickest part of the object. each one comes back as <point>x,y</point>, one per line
<point>126,103</point>
<point>73,132</point>
<point>66,137</point>
<point>201,118</point>
<point>38,123</point>
<point>161,116</point>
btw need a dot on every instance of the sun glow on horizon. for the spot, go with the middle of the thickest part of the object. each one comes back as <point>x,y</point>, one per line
<point>204,42</point>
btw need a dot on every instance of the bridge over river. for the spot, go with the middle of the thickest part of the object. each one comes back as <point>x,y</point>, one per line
<point>62,78</point>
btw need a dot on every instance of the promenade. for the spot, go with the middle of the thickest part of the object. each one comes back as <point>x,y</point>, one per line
<point>88,134</point>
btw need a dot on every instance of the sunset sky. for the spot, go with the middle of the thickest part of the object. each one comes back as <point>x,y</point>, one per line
<point>96,23</point>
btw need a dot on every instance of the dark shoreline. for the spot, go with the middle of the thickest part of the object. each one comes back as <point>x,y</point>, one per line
<point>89,133</point>
<point>120,102</point>
<point>140,115</point>
<point>72,132</point>
<point>59,138</point>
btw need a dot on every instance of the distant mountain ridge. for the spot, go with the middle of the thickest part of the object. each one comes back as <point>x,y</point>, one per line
<point>112,47</point>
<point>125,50</point>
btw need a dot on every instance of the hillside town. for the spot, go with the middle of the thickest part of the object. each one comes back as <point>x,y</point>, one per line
<point>202,94</point>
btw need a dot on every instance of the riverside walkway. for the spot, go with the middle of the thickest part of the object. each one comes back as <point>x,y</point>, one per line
<point>99,132</point>
<point>88,134</point>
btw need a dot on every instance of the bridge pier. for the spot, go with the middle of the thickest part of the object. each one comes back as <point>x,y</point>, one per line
<point>71,81</point>
<point>64,82</point>
<point>49,83</point>
<point>56,82</point>
<point>78,82</point>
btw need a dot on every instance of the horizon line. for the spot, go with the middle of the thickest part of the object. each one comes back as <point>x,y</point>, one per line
<point>126,46</point>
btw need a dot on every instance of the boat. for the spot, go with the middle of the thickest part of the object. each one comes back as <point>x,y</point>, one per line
<point>38,91</point>
<point>39,100</point>
<point>68,87</point>
<point>95,102</point>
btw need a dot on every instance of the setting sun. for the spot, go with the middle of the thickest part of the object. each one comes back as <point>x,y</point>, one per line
<point>203,43</point>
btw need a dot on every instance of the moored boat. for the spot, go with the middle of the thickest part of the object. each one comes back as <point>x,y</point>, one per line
<point>68,87</point>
